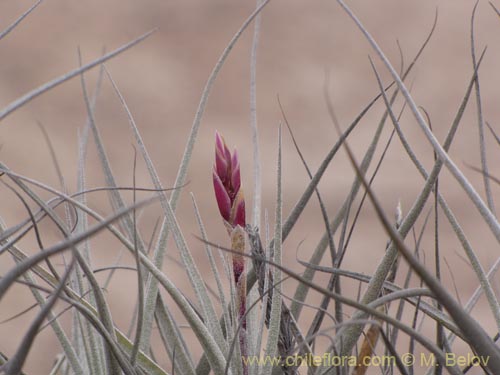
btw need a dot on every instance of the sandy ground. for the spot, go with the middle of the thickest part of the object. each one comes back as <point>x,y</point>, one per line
<point>162,79</point>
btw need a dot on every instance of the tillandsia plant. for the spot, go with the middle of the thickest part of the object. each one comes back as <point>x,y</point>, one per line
<point>231,202</point>
<point>405,315</point>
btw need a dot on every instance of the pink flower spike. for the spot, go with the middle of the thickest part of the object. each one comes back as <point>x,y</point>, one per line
<point>227,184</point>
<point>229,196</point>
<point>222,197</point>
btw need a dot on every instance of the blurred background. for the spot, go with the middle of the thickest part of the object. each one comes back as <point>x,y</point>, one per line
<point>162,79</point>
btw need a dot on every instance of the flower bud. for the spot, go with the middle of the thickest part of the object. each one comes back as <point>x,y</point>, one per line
<point>227,184</point>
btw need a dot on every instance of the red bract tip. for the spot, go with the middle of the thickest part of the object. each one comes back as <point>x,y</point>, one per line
<point>227,183</point>
<point>235,172</point>
<point>222,197</point>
